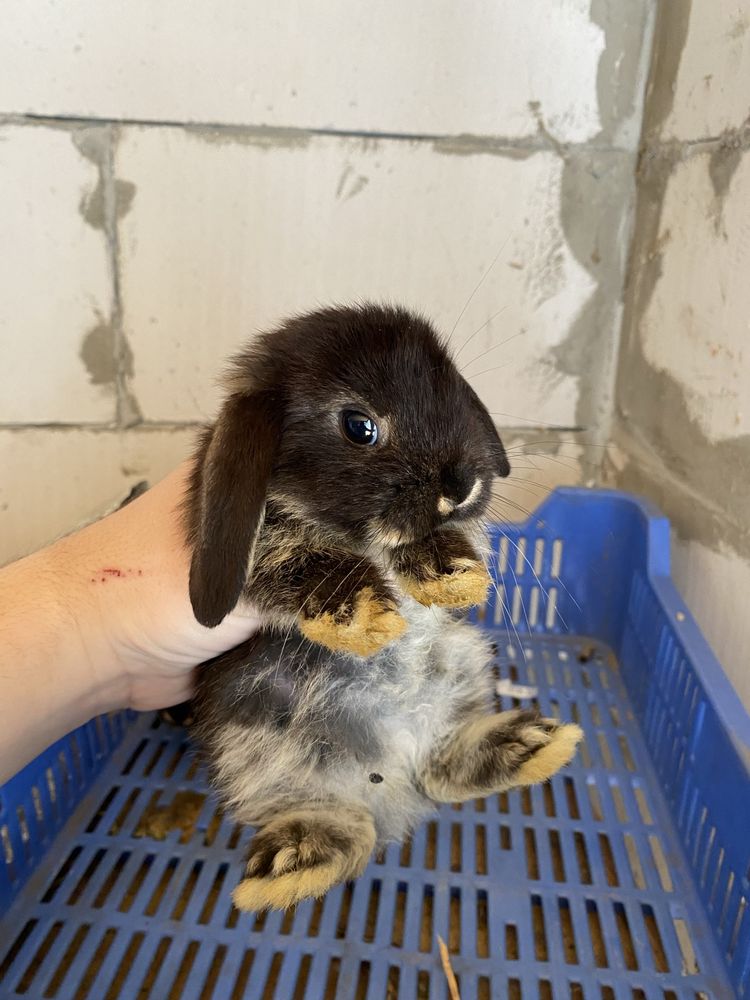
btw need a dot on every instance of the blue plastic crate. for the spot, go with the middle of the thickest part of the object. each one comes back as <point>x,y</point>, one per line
<point>625,878</point>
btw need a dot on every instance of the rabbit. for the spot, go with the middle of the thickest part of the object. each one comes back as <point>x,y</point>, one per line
<point>340,492</point>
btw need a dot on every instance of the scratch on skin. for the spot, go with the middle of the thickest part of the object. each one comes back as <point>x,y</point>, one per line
<point>112,572</point>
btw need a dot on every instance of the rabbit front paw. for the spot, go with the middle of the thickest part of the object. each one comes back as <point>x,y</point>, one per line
<point>361,625</point>
<point>302,854</point>
<point>463,586</point>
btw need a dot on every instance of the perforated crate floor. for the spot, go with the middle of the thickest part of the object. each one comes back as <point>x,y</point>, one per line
<point>573,891</point>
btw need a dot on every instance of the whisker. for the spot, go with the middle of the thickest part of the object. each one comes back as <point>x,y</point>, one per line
<point>487,370</point>
<point>478,286</point>
<point>478,330</point>
<point>490,349</point>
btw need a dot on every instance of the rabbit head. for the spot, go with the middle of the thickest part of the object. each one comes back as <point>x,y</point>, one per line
<point>355,419</point>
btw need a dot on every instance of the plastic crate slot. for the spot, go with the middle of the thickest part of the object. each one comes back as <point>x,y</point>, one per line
<point>482,944</point>
<point>51,784</point>
<point>155,757</point>
<point>110,881</point>
<point>101,809</point>
<point>41,953</point>
<point>715,886</point>
<point>597,813</point>
<point>125,966</point>
<point>454,921</point>
<point>582,857</point>
<point>533,613</point>
<point>213,894</point>
<point>608,860</point>
<point>636,868</point>
<point>539,546</point>
<point>316,914</point>
<point>430,851</point>
<point>517,605</point>
<point>538,929</point>
<point>551,610</point>
<point>502,555</point>
<point>86,877</point>
<point>67,960</point>
<point>520,560</point>
<point>500,606</point>
<point>23,828</point>
<point>89,977</point>
<point>527,804</point>
<point>8,855</point>
<point>532,860</point>
<point>344,910</point>
<point>661,962</point>
<point>287,920</point>
<point>15,948</point>
<point>548,794</point>
<point>727,897</point>
<point>399,915</point>
<point>483,988</point>
<point>404,857</point>
<point>571,798</point>
<point>514,989</point>
<point>567,932</point>
<point>371,915</point>
<point>61,874</point>
<point>423,985</point>
<point>133,758</point>
<point>363,982</point>
<point>426,919</point>
<point>643,806</point>
<point>605,752</point>
<point>596,935</point>
<point>480,849</point>
<point>243,974</point>
<point>161,887</point>
<point>148,981</point>
<point>455,855</point>
<point>214,970</point>
<point>619,801</point>
<point>185,967</point>
<point>511,943</point>
<point>545,990</point>
<point>660,861</point>
<point>392,983</point>
<point>502,803</point>
<point>131,893</point>
<point>119,821</point>
<point>36,800</point>
<point>689,958</point>
<point>576,992</point>
<point>638,994</point>
<point>558,863</point>
<point>627,947</point>
<point>741,908</point>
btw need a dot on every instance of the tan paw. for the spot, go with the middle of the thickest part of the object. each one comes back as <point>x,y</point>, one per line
<point>555,754</point>
<point>368,628</point>
<point>463,588</point>
<point>302,856</point>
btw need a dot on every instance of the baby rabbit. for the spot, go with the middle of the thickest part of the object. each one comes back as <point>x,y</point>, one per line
<point>340,492</point>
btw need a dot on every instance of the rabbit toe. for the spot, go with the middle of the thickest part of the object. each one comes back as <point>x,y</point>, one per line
<point>302,856</point>
<point>366,628</point>
<point>465,586</point>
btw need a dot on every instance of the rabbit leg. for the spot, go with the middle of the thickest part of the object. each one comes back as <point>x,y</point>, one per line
<point>302,853</point>
<point>443,569</point>
<point>340,600</point>
<point>497,752</point>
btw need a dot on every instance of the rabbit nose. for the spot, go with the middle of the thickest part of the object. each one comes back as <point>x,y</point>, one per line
<point>457,482</point>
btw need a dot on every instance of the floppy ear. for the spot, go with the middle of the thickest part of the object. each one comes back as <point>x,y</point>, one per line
<point>227,501</point>
<point>497,448</point>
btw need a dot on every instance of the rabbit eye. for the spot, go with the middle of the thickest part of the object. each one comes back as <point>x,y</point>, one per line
<point>358,427</point>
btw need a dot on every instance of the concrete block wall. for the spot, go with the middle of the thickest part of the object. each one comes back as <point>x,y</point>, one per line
<point>171,181</point>
<point>682,423</point>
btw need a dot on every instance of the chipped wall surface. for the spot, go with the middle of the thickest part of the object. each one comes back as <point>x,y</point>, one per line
<point>172,183</point>
<point>682,428</point>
